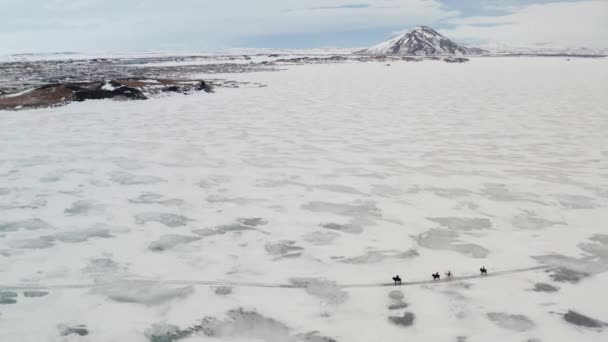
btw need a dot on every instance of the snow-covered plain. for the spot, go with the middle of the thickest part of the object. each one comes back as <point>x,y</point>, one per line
<point>333,174</point>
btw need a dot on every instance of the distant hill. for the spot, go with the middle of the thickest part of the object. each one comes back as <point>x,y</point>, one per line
<point>421,41</point>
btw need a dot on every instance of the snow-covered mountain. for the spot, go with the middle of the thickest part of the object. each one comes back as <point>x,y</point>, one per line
<point>421,41</point>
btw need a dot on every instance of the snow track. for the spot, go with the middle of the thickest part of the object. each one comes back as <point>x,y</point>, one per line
<point>265,285</point>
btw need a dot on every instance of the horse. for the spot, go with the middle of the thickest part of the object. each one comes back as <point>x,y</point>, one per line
<point>448,274</point>
<point>436,276</point>
<point>397,280</point>
<point>483,271</point>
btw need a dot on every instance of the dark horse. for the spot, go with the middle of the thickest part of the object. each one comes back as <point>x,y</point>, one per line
<point>436,276</point>
<point>483,271</point>
<point>397,280</point>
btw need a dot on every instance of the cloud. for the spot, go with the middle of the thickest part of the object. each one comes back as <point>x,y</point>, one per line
<point>119,25</point>
<point>351,6</point>
<point>194,24</point>
<point>564,24</point>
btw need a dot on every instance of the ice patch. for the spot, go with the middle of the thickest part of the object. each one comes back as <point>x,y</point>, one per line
<point>362,210</point>
<point>542,287</point>
<point>576,202</point>
<point>372,257</point>
<point>406,320</point>
<point>328,291</point>
<point>53,177</point>
<point>235,200</point>
<point>32,224</point>
<point>518,323</point>
<point>223,229</point>
<point>441,239</point>
<point>462,223</point>
<point>213,181</point>
<point>170,241</point>
<point>133,291</point>
<point>346,228</point>
<point>339,188</point>
<point>599,247</point>
<point>499,192</point>
<point>33,243</point>
<point>84,208</point>
<point>284,248</point>
<point>35,294</point>
<point>167,219</point>
<point>530,220</point>
<point>222,290</point>
<point>572,270</point>
<point>103,266</point>
<point>240,324</point>
<point>128,164</point>
<point>320,238</point>
<point>66,330</point>
<point>252,325</point>
<point>442,192</point>
<point>7,301</point>
<point>576,318</point>
<point>567,275</point>
<point>386,191</point>
<point>83,235</point>
<point>449,192</point>
<point>252,221</point>
<point>152,198</point>
<point>396,298</point>
<point>396,295</point>
<point>125,178</point>
<point>8,297</point>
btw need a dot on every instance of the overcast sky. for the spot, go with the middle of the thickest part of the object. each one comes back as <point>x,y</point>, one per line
<point>203,25</point>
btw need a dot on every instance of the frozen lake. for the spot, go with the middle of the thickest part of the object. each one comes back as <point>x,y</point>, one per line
<point>332,174</point>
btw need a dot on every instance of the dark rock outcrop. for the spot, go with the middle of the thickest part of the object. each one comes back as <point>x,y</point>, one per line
<point>455,60</point>
<point>99,94</point>
<point>61,93</point>
<point>204,86</point>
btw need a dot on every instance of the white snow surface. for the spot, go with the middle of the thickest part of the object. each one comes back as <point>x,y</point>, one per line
<point>333,174</point>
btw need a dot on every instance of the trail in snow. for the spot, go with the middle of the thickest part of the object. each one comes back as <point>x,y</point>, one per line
<point>267,285</point>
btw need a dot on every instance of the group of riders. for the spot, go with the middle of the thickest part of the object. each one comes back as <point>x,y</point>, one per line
<point>437,276</point>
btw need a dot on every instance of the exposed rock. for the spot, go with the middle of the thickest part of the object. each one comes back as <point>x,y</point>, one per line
<point>456,60</point>
<point>204,86</point>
